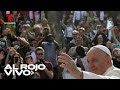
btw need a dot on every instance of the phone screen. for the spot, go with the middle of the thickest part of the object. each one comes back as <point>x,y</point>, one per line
<point>109,24</point>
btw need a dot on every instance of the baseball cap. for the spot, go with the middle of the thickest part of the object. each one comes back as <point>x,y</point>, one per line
<point>104,49</point>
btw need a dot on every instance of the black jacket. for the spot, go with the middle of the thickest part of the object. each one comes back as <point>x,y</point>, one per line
<point>105,39</point>
<point>116,62</point>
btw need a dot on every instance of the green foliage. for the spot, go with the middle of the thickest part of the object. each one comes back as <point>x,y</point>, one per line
<point>12,27</point>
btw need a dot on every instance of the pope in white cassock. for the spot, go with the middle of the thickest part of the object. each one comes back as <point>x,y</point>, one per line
<point>99,61</point>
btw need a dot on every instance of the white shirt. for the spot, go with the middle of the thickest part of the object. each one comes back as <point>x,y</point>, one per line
<point>69,31</point>
<point>79,15</point>
<point>111,73</point>
<point>67,75</point>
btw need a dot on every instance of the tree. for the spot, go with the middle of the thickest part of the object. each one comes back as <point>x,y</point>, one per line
<point>54,17</point>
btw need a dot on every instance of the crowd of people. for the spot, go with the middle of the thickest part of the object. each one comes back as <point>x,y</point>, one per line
<point>91,46</point>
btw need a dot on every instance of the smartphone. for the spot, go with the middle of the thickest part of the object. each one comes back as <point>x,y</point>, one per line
<point>109,24</point>
<point>16,59</point>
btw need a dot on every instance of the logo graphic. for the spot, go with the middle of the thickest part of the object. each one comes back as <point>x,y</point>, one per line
<point>24,69</point>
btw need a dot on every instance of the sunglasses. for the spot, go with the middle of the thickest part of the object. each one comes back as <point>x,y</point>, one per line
<point>39,53</point>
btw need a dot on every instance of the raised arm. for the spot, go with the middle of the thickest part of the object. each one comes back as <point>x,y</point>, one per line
<point>23,41</point>
<point>69,64</point>
<point>62,22</point>
<point>113,35</point>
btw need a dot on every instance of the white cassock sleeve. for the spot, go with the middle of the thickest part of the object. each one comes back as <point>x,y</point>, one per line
<point>85,63</point>
<point>89,75</point>
<point>67,75</point>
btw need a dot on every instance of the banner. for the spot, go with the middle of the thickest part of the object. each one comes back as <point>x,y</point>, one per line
<point>10,25</point>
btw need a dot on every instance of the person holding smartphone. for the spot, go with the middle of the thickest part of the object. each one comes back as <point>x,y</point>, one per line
<point>48,72</point>
<point>17,60</point>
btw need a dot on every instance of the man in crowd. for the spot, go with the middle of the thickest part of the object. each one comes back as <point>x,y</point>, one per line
<point>48,72</point>
<point>99,68</point>
<point>100,32</point>
<point>72,43</point>
<point>51,48</point>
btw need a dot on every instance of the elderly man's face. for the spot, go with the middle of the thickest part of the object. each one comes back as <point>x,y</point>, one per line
<point>98,61</point>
